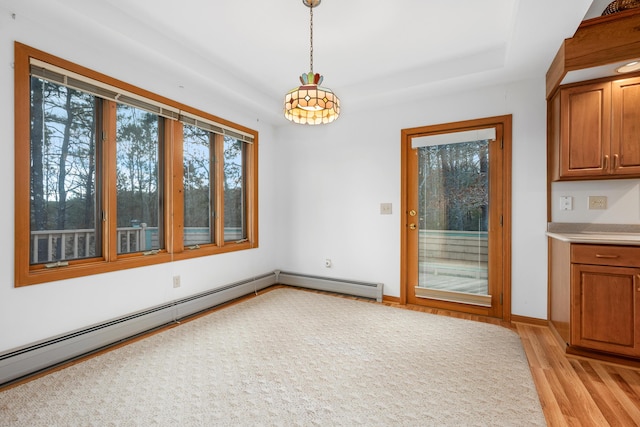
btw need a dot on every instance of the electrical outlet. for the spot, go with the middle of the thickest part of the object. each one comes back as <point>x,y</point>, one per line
<point>386,208</point>
<point>597,202</point>
<point>176,281</point>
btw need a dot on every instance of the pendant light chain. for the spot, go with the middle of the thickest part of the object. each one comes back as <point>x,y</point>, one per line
<point>311,38</point>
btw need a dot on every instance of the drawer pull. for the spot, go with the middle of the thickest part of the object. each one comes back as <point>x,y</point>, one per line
<point>607,256</point>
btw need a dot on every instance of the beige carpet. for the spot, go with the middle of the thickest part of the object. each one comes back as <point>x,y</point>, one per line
<point>294,358</point>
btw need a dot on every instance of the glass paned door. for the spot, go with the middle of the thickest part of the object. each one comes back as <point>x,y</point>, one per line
<point>455,238</point>
<point>453,222</point>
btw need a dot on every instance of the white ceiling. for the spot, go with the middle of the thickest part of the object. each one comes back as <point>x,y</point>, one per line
<point>368,51</point>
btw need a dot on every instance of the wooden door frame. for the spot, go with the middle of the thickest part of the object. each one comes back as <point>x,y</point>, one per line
<point>406,135</point>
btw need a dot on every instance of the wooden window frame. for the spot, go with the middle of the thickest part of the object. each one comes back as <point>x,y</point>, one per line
<point>172,176</point>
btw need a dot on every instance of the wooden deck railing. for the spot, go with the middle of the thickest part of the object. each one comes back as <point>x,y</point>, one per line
<point>454,253</point>
<point>60,245</point>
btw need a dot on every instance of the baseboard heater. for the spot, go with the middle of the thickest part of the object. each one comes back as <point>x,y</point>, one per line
<point>25,361</point>
<point>31,359</point>
<point>342,286</point>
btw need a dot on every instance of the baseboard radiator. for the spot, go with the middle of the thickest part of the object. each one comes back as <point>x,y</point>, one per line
<point>342,286</point>
<point>22,362</point>
<point>31,359</point>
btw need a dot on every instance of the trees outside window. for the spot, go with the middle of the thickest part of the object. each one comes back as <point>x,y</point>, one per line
<point>453,184</point>
<point>234,198</point>
<point>63,208</point>
<point>198,185</point>
<point>138,183</point>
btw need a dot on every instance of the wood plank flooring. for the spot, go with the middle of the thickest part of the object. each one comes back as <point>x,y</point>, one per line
<point>576,391</point>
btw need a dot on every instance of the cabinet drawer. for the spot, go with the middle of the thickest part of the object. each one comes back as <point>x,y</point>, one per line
<point>626,256</point>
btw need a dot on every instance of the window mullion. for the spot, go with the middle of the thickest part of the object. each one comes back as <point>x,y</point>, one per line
<point>174,187</point>
<point>219,188</point>
<point>250,186</point>
<point>109,194</point>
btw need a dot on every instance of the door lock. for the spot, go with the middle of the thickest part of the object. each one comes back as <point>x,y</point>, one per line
<point>412,226</point>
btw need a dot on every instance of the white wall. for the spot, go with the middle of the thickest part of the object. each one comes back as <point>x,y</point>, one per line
<point>31,313</point>
<point>623,201</point>
<point>332,180</point>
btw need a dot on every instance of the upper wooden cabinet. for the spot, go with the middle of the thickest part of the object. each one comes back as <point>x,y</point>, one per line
<point>585,130</point>
<point>594,127</point>
<point>625,126</point>
<point>595,130</point>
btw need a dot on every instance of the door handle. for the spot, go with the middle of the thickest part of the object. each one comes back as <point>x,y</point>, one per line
<point>412,226</point>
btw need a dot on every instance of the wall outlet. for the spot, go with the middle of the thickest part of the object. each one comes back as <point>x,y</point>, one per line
<point>597,202</point>
<point>176,281</point>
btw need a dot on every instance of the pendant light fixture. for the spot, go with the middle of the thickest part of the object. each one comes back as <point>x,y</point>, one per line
<point>311,104</point>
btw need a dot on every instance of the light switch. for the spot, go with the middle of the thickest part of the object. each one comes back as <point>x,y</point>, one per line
<point>385,208</point>
<point>566,203</point>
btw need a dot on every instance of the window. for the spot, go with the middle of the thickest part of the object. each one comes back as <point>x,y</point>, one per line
<point>201,148</point>
<point>138,183</point>
<point>109,176</point>
<point>198,186</point>
<point>234,228</point>
<point>64,208</point>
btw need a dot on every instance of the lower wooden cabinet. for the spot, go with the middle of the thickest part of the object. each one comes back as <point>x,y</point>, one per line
<point>595,297</point>
<point>604,306</point>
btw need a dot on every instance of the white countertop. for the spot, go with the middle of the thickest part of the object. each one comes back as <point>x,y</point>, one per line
<point>601,238</point>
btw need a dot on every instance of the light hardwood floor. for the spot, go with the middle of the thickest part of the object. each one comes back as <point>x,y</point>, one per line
<point>576,391</point>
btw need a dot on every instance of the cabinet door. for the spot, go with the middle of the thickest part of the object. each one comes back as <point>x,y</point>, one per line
<point>585,130</point>
<point>625,134</point>
<point>603,309</point>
